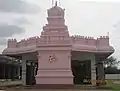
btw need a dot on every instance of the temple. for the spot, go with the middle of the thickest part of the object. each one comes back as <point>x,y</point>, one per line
<point>56,58</point>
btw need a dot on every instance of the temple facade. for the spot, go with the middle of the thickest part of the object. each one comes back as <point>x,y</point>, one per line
<point>56,58</point>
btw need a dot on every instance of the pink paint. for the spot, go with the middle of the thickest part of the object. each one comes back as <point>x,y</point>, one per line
<point>55,40</point>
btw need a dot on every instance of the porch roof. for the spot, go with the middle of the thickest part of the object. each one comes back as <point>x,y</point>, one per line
<point>9,60</point>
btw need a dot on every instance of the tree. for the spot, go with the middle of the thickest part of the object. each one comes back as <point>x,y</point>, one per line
<point>111,70</point>
<point>111,65</point>
<point>111,62</point>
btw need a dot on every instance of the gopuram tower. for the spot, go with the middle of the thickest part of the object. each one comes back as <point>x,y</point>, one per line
<point>54,51</point>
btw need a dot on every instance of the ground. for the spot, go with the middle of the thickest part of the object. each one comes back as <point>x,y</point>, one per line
<point>56,90</point>
<point>115,85</point>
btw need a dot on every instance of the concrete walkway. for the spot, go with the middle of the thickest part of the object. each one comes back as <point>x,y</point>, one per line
<point>10,83</point>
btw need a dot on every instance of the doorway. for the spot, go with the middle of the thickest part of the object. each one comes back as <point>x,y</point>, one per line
<point>31,68</point>
<point>81,71</point>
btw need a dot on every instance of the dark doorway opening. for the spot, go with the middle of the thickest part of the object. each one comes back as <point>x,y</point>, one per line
<point>81,71</point>
<point>31,68</point>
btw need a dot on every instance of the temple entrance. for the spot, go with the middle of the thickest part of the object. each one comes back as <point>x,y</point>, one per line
<point>81,71</point>
<point>31,72</point>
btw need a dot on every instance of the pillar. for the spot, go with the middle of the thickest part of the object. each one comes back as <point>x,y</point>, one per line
<point>14,72</point>
<point>100,69</point>
<point>4,71</point>
<point>9,71</point>
<point>0,71</point>
<point>93,71</point>
<point>18,72</point>
<point>23,71</point>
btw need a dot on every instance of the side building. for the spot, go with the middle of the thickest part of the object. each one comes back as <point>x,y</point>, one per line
<point>10,68</point>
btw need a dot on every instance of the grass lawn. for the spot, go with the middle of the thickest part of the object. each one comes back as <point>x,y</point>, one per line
<point>116,86</point>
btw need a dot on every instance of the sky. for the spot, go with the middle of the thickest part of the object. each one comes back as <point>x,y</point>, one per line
<point>25,18</point>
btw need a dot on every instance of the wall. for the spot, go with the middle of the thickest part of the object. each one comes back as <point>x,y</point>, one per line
<point>112,76</point>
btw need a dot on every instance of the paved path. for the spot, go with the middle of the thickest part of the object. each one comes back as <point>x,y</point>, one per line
<point>7,83</point>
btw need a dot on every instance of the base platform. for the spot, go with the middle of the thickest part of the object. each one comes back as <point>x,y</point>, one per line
<point>55,86</point>
<point>67,86</point>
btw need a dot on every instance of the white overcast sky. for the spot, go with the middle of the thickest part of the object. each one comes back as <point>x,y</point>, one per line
<point>24,18</point>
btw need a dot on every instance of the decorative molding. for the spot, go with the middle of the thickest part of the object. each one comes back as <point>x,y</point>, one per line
<point>52,58</point>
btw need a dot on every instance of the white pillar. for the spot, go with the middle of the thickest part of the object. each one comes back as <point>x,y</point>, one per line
<point>18,71</point>
<point>23,71</point>
<point>93,71</point>
<point>100,68</point>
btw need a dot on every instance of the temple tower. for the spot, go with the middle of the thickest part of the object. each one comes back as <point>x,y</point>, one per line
<point>54,51</point>
<point>55,29</point>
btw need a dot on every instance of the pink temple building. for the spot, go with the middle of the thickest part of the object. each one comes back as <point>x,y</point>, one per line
<point>56,58</point>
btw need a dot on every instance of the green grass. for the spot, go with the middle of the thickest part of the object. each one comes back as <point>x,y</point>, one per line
<point>116,87</point>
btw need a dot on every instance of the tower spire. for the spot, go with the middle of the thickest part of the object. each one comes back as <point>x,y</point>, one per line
<point>56,3</point>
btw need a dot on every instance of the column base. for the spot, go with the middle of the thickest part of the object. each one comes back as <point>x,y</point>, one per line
<point>54,86</point>
<point>54,77</point>
<point>64,80</point>
<point>94,82</point>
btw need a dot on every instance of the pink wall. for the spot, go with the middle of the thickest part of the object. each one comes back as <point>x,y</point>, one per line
<point>62,60</point>
<point>57,71</point>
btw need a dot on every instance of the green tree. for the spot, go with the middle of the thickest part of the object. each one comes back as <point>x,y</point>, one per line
<point>111,62</point>
<point>111,70</point>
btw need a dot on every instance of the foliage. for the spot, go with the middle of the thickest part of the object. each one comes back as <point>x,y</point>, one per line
<point>111,70</point>
<point>111,62</point>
